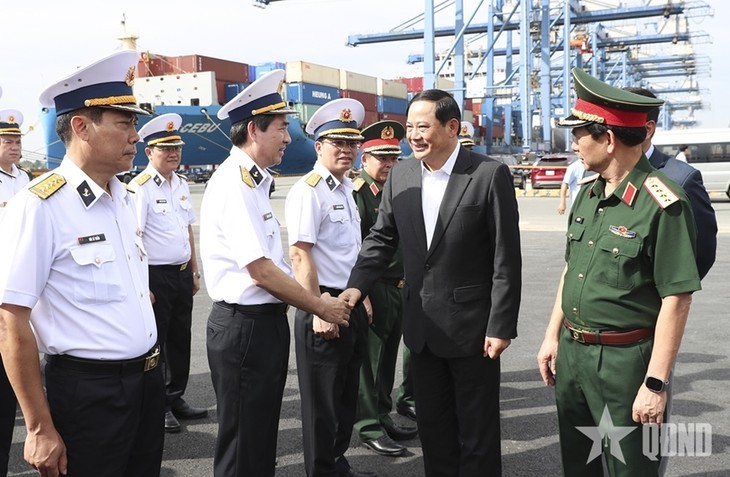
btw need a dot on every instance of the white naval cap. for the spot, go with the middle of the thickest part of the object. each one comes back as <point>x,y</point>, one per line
<point>162,131</point>
<point>10,122</point>
<point>466,133</point>
<point>106,83</point>
<point>263,96</point>
<point>339,119</point>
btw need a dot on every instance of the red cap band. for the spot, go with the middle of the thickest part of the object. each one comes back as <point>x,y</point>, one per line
<point>611,116</point>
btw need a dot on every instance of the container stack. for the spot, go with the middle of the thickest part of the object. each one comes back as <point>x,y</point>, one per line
<point>309,86</point>
<point>392,100</point>
<point>364,89</point>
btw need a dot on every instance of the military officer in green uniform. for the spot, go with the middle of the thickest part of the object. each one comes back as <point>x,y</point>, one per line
<point>377,431</point>
<point>625,294</point>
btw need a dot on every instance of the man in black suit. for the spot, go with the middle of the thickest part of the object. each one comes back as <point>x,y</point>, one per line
<point>455,215</point>
<point>690,179</point>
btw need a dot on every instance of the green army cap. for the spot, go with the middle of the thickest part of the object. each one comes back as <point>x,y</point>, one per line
<point>383,138</point>
<point>599,102</point>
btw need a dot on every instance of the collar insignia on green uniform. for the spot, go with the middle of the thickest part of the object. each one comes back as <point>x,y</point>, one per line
<point>622,231</point>
<point>86,195</point>
<point>331,182</point>
<point>48,186</point>
<point>629,194</point>
<point>374,188</point>
<point>141,179</point>
<point>256,174</point>
<point>358,183</point>
<point>313,179</point>
<point>659,191</point>
<point>158,180</point>
<point>246,178</point>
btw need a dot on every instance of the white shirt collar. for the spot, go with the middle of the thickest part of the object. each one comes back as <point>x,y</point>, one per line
<point>448,166</point>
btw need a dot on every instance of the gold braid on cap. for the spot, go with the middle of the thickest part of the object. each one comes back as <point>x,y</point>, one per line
<point>164,139</point>
<point>587,116</point>
<point>268,108</point>
<point>111,100</point>
<point>9,130</point>
<point>340,131</point>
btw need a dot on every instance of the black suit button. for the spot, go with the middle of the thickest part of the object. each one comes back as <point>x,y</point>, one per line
<point>428,267</point>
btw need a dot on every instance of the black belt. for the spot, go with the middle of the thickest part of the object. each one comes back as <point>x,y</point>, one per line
<point>125,367</point>
<point>263,309</point>
<point>394,282</point>
<point>332,291</point>
<point>172,268</point>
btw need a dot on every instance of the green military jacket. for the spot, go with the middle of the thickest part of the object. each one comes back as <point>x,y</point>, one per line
<point>367,194</point>
<point>627,251</point>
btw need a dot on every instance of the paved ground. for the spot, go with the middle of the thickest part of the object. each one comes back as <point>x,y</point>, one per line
<point>529,424</point>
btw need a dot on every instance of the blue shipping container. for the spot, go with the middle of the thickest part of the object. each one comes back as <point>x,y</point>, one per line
<point>251,73</point>
<point>263,68</point>
<point>310,93</point>
<point>387,104</point>
<point>232,89</point>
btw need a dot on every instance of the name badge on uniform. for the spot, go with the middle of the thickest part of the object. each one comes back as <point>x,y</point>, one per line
<point>339,207</point>
<point>267,216</point>
<point>161,201</point>
<point>92,239</point>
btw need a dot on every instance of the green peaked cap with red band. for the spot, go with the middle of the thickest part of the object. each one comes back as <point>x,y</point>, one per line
<point>599,102</point>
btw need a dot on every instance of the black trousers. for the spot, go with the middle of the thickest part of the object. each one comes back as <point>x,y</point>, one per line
<point>329,374</point>
<point>248,355</point>
<point>7,419</point>
<point>173,307</point>
<point>458,414</point>
<point>112,425</point>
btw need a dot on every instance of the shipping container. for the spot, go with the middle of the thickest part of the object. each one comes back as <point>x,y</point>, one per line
<point>401,118</point>
<point>227,71</point>
<point>264,68</point>
<point>369,101</point>
<point>413,85</point>
<point>386,104</point>
<point>357,82</point>
<point>251,73</point>
<point>232,89</point>
<point>444,84</point>
<point>305,111</point>
<point>392,88</point>
<point>468,116</point>
<point>310,93</point>
<point>370,118</point>
<point>303,72</point>
<point>196,89</point>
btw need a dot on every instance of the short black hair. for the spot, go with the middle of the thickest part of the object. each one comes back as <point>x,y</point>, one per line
<point>63,122</point>
<point>628,136</point>
<point>239,130</point>
<point>446,106</point>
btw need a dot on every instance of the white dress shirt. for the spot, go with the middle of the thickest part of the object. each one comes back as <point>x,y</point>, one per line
<point>75,259</point>
<point>164,212</point>
<point>326,216</point>
<point>238,226</point>
<point>433,188</point>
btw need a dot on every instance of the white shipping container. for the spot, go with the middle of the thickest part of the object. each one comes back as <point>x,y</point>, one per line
<point>467,116</point>
<point>357,82</point>
<point>174,90</point>
<point>392,88</point>
<point>303,72</point>
<point>444,84</point>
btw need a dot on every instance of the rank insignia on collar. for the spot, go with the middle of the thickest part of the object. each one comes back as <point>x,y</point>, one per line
<point>158,180</point>
<point>331,182</point>
<point>86,195</point>
<point>622,231</point>
<point>629,194</point>
<point>374,188</point>
<point>257,177</point>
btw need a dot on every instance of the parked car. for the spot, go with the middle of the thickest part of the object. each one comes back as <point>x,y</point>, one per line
<point>198,174</point>
<point>519,175</point>
<point>127,176</point>
<point>549,170</point>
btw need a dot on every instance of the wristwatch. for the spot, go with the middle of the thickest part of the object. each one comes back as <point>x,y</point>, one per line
<point>655,385</point>
<point>196,274</point>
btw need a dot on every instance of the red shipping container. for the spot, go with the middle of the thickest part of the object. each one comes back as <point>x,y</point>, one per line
<point>370,118</point>
<point>227,71</point>
<point>468,105</point>
<point>369,101</point>
<point>401,118</point>
<point>414,85</point>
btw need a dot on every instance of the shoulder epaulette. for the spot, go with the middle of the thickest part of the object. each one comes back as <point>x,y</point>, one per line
<point>246,178</point>
<point>659,191</point>
<point>48,186</point>
<point>142,178</point>
<point>358,183</point>
<point>313,179</point>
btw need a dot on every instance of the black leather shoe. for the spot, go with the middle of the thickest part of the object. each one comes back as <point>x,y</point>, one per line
<point>355,473</point>
<point>385,446</point>
<point>406,410</point>
<point>183,410</point>
<point>171,424</point>
<point>401,433</point>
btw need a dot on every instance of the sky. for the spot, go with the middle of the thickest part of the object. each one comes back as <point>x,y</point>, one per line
<point>45,40</point>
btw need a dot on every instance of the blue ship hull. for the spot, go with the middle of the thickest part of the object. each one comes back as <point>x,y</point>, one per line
<point>206,140</point>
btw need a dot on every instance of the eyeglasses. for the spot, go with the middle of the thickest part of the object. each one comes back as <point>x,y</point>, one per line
<point>169,148</point>
<point>341,144</point>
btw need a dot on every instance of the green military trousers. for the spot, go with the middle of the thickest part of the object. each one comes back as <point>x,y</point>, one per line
<point>377,373</point>
<point>595,388</point>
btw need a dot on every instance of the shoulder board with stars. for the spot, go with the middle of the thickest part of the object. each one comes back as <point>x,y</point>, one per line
<point>48,186</point>
<point>246,178</point>
<point>313,179</point>
<point>358,183</point>
<point>659,191</point>
<point>142,178</point>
